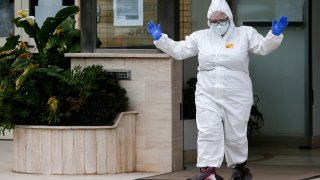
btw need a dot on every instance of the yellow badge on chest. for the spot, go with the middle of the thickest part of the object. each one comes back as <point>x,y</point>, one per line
<point>229,45</point>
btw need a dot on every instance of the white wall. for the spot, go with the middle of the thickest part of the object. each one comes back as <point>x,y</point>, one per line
<point>155,91</point>
<point>316,65</point>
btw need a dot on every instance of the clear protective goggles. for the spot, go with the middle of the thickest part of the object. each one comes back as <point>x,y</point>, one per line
<point>222,22</point>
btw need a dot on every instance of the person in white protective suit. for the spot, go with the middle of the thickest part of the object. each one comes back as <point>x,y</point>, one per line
<point>224,91</point>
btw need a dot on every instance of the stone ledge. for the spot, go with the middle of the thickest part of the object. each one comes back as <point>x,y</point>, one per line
<point>117,120</point>
<point>118,55</point>
<point>55,151</point>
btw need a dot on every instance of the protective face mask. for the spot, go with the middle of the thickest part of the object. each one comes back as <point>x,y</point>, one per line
<point>220,30</point>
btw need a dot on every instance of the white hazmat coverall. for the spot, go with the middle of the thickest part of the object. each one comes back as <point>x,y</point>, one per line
<point>224,91</point>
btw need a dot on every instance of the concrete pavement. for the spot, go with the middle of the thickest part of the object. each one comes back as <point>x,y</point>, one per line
<point>264,163</point>
<point>260,172</point>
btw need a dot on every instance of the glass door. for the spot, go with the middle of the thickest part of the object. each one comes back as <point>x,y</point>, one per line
<point>280,79</point>
<point>198,16</point>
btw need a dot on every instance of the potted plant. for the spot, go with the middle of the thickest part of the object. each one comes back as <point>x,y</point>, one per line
<point>64,120</point>
<point>256,120</point>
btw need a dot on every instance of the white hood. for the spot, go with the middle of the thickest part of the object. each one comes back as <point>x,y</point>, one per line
<point>220,5</point>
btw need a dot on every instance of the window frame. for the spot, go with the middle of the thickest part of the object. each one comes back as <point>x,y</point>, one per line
<point>23,4</point>
<point>169,23</point>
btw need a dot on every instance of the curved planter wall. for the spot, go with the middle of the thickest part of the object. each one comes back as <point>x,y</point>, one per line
<point>76,149</point>
<point>155,90</point>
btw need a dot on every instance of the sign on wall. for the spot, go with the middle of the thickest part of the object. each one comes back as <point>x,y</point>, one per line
<point>128,12</point>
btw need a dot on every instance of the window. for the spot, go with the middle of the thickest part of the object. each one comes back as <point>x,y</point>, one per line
<point>42,9</point>
<point>246,12</point>
<point>6,14</point>
<point>121,24</point>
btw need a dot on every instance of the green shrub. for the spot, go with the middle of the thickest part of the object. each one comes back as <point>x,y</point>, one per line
<point>100,98</point>
<point>40,89</point>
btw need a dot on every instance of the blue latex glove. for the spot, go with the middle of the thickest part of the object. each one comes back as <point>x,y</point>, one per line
<point>279,26</point>
<point>154,30</point>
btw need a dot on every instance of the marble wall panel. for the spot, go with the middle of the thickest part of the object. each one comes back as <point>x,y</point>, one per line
<point>155,90</point>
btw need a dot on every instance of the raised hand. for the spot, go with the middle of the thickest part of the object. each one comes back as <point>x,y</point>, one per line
<point>154,30</point>
<point>279,26</point>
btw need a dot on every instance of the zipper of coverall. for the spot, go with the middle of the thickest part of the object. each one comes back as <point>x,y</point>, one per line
<point>220,83</point>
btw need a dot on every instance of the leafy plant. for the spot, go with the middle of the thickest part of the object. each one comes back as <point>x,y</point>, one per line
<point>256,120</point>
<point>98,100</point>
<point>40,89</point>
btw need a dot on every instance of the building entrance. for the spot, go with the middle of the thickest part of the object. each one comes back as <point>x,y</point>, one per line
<point>280,80</point>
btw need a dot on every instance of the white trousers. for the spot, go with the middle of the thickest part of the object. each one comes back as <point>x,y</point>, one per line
<point>220,136</point>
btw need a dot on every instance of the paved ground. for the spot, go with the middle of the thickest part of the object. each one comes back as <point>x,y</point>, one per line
<point>265,164</point>
<point>260,172</point>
